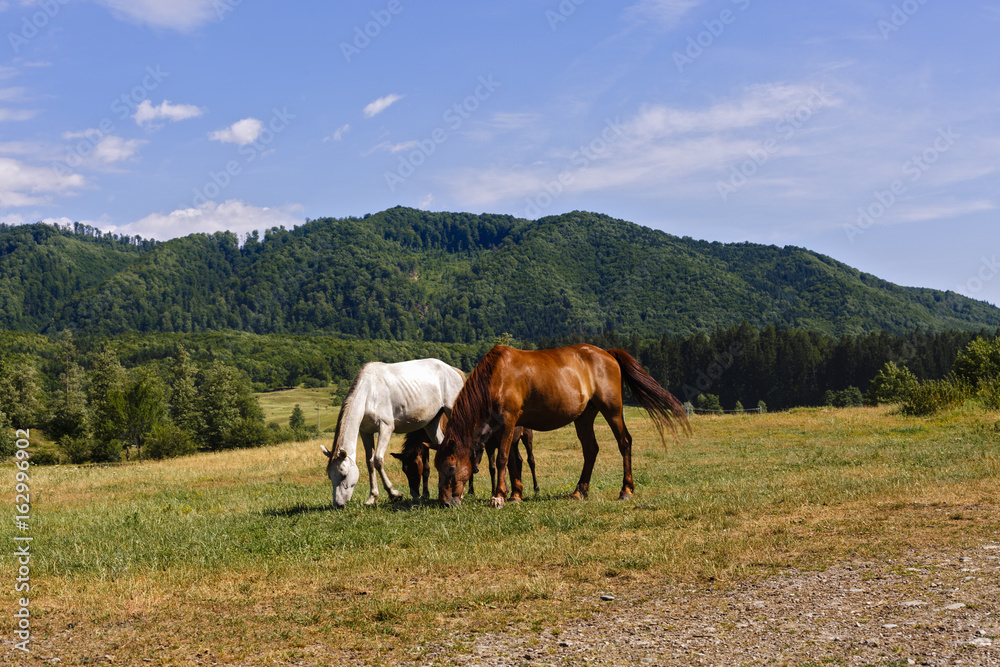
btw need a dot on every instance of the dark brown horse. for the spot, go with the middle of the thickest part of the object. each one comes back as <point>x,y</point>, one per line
<point>415,459</point>
<point>545,390</point>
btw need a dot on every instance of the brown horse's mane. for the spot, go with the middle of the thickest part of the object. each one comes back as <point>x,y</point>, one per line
<point>474,402</point>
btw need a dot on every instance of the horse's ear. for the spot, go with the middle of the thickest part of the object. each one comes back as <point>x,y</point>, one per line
<point>396,455</point>
<point>326,451</point>
<point>432,445</point>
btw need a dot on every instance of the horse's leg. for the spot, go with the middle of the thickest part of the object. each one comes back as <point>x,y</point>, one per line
<point>425,454</point>
<point>529,451</point>
<point>514,466</point>
<point>368,440</point>
<point>503,452</point>
<point>384,435</point>
<point>588,442</point>
<point>624,438</point>
<point>491,455</point>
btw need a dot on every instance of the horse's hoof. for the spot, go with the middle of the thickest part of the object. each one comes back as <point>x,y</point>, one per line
<point>514,499</point>
<point>371,500</point>
<point>395,495</point>
<point>576,495</point>
<point>496,502</point>
<point>624,496</point>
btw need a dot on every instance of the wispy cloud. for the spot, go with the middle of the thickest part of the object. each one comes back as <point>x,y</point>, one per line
<point>231,215</point>
<point>381,104</point>
<point>242,132</point>
<point>664,13</point>
<point>180,15</point>
<point>339,133</point>
<point>26,185</point>
<point>146,113</point>
<point>105,149</point>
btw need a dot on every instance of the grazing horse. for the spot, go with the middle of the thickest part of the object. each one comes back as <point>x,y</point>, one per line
<point>383,399</point>
<point>545,390</point>
<point>415,458</point>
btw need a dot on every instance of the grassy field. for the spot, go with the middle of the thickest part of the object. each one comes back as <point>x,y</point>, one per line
<point>235,556</point>
<point>315,404</point>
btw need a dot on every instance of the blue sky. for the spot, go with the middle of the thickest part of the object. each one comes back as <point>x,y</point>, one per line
<point>863,129</point>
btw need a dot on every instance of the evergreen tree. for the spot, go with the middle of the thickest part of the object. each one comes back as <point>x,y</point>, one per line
<point>19,394</point>
<point>184,410</point>
<point>106,397</point>
<point>143,411</point>
<point>297,421</point>
<point>68,409</point>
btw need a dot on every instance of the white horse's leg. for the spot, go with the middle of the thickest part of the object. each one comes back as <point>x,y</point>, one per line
<point>384,434</point>
<point>369,441</point>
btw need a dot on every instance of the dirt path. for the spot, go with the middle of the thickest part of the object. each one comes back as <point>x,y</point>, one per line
<point>940,608</point>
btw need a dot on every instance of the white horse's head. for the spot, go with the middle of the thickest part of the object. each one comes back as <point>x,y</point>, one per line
<point>343,473</point>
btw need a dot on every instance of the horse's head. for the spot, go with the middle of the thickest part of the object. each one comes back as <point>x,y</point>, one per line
<point>343,473</point>
<point>454,466</point>
<point>415,459</point>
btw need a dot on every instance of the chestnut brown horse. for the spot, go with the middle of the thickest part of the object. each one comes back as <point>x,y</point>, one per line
<point>545,390</point>
<point>415,459</point>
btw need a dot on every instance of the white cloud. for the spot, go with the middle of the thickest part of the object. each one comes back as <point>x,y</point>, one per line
<point>17,114</point>
<point>659,148</point>
<point>666,13</point>
<point>113,149</point>
<point>25,185</point>
<point>339,133</point>
<point>146,112</point>
<point>181,15</point>
<point>242,132</point>
<point>943,211</point>
<point>395,148</point>
<point>231,215</point>
<point>381,104</point>
<point>103,148</point>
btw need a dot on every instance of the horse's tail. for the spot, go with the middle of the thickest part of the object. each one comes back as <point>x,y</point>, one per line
<point>661,405</point>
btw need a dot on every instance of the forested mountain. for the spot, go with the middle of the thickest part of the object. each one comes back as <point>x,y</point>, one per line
<point>405,274</point>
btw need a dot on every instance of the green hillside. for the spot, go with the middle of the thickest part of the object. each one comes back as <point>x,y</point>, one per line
<point>405,274</point>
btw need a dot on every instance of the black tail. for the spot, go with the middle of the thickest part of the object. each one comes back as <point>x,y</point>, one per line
<point>657,401</point>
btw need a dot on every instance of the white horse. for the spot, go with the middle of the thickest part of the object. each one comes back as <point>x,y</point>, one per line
<point>386,399</point>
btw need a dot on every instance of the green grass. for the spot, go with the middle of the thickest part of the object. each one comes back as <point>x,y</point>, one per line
<point>237,552</point>
<point>315,403</point>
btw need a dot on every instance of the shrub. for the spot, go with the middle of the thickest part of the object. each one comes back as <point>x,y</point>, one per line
<point>892,384</point>
<point>45,458</point>
<point>106,451</point>
<point>247,432</point>
<point>979,362</point>
<point>989,394</point>
<point>844,398</point>
<point>168,441</point>
<point>8,443</point>
<point>762,406</point>
<point>930,396</point>
<point>738,408</point>
<point>75,448</point>
<point>709,403</point>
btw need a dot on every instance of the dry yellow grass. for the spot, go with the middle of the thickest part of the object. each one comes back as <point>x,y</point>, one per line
<point>235,556</point>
